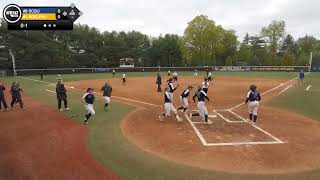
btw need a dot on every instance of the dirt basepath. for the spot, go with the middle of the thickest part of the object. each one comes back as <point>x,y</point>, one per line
<point>40,143</point>
<point>178,143</point>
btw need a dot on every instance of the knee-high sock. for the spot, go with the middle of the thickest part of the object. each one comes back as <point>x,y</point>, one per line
<point>206,118</point>
<point>184,109</point>
<point>250,116</point>
<point>255,117</point>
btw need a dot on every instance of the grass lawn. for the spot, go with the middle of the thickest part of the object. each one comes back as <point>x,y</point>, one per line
<point>110,147</point>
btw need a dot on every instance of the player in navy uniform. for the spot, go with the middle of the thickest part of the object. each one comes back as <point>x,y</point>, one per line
<point>2,98</point>
<point>301,76</point>
<point>168,106</point>
<point>88,100</point>
<point>203,112</point>
<point>184,99</point>
<point>253,99</point>
<point>107,90</point>
<point>159,82</point>
<point>16,94</point>
<point>205,85</point>
<point>172,87</point>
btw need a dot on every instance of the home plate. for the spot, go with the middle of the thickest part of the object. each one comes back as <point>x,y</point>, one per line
<point>212,116</point>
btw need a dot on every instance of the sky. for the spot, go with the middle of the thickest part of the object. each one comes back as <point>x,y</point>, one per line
<point>155,17</point>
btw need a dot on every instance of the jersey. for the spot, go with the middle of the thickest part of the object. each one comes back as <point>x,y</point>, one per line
<point>201,95</point>
<point>60,89</point>
<point>88,98</point>
<point>167,98</point>
<point>209,74</point>
<point>107,90</point>
<point>205,84</point>
<point>253,96</point>
<point>185,93</point>
<point>16,91</point>
<point>123,76</point>
<point>171,87</point>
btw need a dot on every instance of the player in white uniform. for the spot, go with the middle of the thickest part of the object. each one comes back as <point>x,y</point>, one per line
<point>253,99</point>
<point>184,99</point>
<point>205,85</point>
<point>175,77</point>
<point>209,76</point>
<point>88,100</point>
<point>172,87</point>
<point>203,112</point>
<point>124,78</point>
<point>168,107</point>
<point>195,74</point>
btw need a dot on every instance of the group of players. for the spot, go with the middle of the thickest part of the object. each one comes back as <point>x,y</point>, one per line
<point>15,91</point>
<point>200,95</point>
<point>252,99</point>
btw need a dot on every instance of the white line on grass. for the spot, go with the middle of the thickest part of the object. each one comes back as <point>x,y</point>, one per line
<point>117,97</point>
<point>307,89</point>
<point>282,84</point>
<point>285,89</point>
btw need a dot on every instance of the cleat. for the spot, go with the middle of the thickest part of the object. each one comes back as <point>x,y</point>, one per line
<point>161,118</point>
<point>61,110</point>
<point>67,109</point>
<point>86,122</point>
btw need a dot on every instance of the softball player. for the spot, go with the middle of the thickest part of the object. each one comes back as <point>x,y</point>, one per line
<point>114,72</point>
<point>209,76</point>
<point>88,100</point>
<point>2,98</point>
<point>172,87</point>
<point>195,74</point>
<point>301,76</point>
<point>107,90</point>
<point>124,78</point>
<point>61,95</point>
<point>203,112</point>
<point>184,99</point>
<point>168,107</point>
<point>253,97</point>
<point>175,77</point>
<point>16,94</point>
<point>159,82</point>
<point>169,72</point>
<point>205,85</point>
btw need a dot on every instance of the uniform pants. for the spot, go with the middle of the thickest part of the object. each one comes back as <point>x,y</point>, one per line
<point>106,99</point>
<point>253,107</point>
<point>168,108</point>
<point>16,99</point>
<point>3,101</point>
<point>202,109</point>
<point>89,109</point>
<point>184,102</point>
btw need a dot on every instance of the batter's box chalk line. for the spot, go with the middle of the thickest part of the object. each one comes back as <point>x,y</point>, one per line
<point>243,120</point>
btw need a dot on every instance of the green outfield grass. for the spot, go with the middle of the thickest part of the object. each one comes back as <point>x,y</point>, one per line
<point>110,147</point>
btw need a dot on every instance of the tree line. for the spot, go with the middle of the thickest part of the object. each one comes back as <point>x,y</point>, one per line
<point>204,43</point>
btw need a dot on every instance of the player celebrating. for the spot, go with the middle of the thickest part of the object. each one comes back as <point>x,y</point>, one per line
<point>172,87</point>
<point>88,100</point>
<point>184,99</point>
<point>2,98</point>
<point>168,107</point>
<point>175,76</point>
<point>61,95</point>
<point>124,78</point>
<point>159,82</point>
<point>16,94</point>
<point>301,76</point>
<point>253,97</point>
<point>205,85</point>
<point>203,112</point>
<point>107,90</point>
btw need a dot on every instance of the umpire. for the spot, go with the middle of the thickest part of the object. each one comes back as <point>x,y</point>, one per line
<point>2,98</point>
<point>61,95</point>
<point>107,90</point>
<point>159,82</point>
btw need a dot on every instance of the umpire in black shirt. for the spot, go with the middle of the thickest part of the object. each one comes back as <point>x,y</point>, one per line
<point>2,98</point>
<point>61,95</point>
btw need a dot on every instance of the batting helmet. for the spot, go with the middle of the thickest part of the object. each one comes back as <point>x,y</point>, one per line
<point>253,87</point>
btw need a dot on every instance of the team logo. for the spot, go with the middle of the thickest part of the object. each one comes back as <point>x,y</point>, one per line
<point>12,13</point>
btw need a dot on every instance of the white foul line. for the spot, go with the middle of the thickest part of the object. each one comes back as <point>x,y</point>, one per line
<point>195,129</point>
<point>285,89</point>
<point>132,100</point>
<point>307,89</point>
<point>282,84</point>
